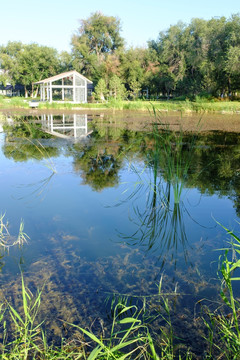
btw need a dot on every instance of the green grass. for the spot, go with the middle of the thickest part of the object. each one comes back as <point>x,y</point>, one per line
<point>224,323</point>
<point>199,105</point>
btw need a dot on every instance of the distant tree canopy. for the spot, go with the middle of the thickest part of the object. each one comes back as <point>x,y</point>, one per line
<point>26,64</point>
<point>201,58</point>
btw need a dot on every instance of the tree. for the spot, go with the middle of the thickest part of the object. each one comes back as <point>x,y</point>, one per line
<point>65,61</point>
<point>232,67</point>
<point>4,79</point>
<point>171,55</point>
<point>35,63</point>
<point>101,90</point>
<point>8,60</point>
<point>134,69</point>
<point>117,88</point>
<point>96,37</point>
<point>26,64</point>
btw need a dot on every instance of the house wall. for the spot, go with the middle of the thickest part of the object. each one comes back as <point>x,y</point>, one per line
<point>65,89</point>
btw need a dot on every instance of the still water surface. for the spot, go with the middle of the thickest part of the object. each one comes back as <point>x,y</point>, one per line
<point>110,209</point>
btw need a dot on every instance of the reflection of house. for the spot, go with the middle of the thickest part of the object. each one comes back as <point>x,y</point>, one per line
<point>68,86</point>
<point>66,126</point>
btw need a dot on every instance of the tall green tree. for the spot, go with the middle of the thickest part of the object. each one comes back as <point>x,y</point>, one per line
<point>65,60</point>
<point>101,90</point>
<point>134,68</point>
<point>117,89</point>
<point>171,56</point>
<point>200,57</point>
<point>35,63</point>
<point>97,36</point>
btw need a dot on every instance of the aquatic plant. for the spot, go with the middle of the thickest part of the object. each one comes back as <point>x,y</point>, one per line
<point>27,328</point>
<point>223,323</point>
<point>128,337</point>
<point>6,240</point>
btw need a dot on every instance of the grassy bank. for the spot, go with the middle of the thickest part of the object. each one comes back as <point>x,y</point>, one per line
<point>170,105</point>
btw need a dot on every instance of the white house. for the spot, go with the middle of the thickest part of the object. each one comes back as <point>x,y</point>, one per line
<point>69,86</point>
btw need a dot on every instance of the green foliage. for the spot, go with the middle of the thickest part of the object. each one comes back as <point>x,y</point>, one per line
<point>128,337</point>
<point>100,33</point>
<point>101,90</point>
<point>202,56</point>
<point>26,64</point>
<point>98,36</point>
<point>223,324</point>
<point>117,89</point>
<point>186,59</point>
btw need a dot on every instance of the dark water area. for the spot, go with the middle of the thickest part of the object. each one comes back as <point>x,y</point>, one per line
<point>112,211</point>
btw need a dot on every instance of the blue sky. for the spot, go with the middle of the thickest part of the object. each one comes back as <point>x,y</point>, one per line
<point>53,22</point>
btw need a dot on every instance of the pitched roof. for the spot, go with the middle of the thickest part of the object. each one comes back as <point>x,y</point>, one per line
<point>62,75</point>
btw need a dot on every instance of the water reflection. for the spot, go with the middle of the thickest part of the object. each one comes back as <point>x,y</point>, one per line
<point>66,126</point>
<point>177,184</point>
<point>98,164</point>
<point>160,219</point>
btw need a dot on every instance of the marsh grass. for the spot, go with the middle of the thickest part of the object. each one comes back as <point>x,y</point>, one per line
<point>223,324</point>
<point>129,337</point>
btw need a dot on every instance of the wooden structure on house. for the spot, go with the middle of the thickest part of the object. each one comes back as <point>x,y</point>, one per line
<point>69,86</point>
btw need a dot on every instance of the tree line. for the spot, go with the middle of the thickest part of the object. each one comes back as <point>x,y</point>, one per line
<point>201,58</point>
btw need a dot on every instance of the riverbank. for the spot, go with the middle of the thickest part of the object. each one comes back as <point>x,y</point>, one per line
<point>185,106</point>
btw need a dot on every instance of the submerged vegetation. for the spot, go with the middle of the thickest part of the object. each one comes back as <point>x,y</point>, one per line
<point>130,334</point>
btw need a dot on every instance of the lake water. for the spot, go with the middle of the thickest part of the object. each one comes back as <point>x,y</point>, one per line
<point>112,207</point>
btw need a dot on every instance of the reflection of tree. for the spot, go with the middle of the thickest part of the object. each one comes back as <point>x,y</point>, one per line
<point>159,220</point>
<point>25,151</point>
<point>25,129</point>
<point>175,161</point>
<point>100,160</point>
<point>216,160</point>
<point>99,165</point>
<point>23,142</point>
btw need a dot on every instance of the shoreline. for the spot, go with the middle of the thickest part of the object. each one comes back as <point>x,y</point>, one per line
<point>137,120</point>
